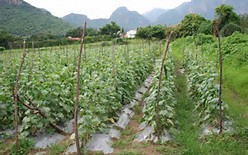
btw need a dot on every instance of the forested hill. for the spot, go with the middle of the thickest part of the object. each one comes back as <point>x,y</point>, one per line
<point>23,19</point>
<point>202,7</point>
<point>20,18</point>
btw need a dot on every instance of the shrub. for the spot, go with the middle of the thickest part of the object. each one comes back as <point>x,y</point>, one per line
<point>229,29</point>
<point>205,28</point>
<point>105,43</point>
<point>2,48</point>
<point>120,41</point>
<point>203,39</point>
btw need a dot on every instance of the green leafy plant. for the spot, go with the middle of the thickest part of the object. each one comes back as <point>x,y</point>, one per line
<point>24,147</point>
<point>167,99</point>
<point>202,88</point>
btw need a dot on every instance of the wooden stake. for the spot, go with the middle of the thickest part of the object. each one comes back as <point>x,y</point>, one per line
<point>67,56</point>
<point>32,63</point>
<point>160,47</point>
<point>195,48</point>
<point>36,110</point>
<point>158,132</point>
<point>16,121</point>
<point>127,51</point>
<point>78,92</point>
<point>75,63</point>
<point>114,65</point>
<point>221,82</point>
<point>39,50</point>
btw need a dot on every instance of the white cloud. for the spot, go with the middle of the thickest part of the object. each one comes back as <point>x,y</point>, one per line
<point>101,8</point>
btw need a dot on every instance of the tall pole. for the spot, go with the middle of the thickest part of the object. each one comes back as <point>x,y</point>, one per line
<point>221,82</point>
<point>78,93</point>
<point>157,119</point>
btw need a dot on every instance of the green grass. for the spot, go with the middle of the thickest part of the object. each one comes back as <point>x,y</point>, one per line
<point>235,94</point>
<point>167,149</point>
<point>130,153</point>
<point>188,138</point>
<point>95,153</point>
<point>58,148</point>
<point>236,77</point>
<point>4,147</point>
<point>121,144</point>
<point>188,135</point>
<point>127,138</point>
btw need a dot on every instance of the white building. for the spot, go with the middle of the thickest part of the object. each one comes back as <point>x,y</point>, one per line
<point>131,33</point>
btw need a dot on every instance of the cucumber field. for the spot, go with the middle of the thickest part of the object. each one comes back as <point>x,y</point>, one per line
<point>164,82</point>
<point>186,114</point>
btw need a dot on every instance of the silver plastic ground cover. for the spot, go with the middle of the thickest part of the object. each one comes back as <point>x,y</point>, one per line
<point>114,133</point>
<point>138,96</point>
<point>147,134</point>
<point>143,135</point>
<point>100,142</point>
<point>208,129</point>
<point>142,90</point>
<point>71,149</point>
<point>123,121</point>
<point>43,141</point>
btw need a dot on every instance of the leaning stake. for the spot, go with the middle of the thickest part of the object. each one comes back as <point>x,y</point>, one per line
<point>159,85</point>
<point>220,91</point>
<point>15,98</point>
<point>78,92</point>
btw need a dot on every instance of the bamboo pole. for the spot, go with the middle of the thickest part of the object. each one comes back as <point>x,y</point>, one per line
<point>36,110</point>
<point>16,121</point>
<point>78,92</point>
<point>32,63</point>
<point>221,82</point>
<point>114,66</point>
<point>158,132</point>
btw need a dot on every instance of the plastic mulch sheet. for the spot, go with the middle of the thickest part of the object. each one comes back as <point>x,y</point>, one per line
<point>100,142</point>
<point>43,141</point>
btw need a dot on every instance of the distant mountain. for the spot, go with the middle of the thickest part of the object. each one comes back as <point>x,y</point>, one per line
<point>98,23</point>
<point>16,2</point>
<point>20,18</point>
<point>153,15</point>
<point>128,19</point>
<point>203,7</point>
<point>78,21</point>
<point>122,16</point>
<point>75,19</point>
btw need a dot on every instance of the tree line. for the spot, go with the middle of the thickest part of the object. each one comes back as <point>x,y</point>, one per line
<point>227,20</point>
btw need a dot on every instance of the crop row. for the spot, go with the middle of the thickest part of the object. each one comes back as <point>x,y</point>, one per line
<point>202,78</point>
<point>108,79</point>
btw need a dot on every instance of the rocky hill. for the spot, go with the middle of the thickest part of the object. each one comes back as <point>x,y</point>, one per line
<point>153,15</point>
<point>122,16</point>
<point>23,19</point>
<point>77,20</point>
<point>16,2</point>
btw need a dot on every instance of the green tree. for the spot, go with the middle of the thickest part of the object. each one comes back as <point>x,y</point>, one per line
<point>5,39</point>
<point>244,22</point>
<point>190,25</point>
<point>77,32</point>
<point>44,36</point>
<point>148,32</point>
<point>91,32</point>
<point>229,29</point>
<point>225,15</point>
<point>205,28</point>
<point>110,29</point>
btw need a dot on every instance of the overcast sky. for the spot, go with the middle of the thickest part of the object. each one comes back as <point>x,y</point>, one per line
<point>101,8</point>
